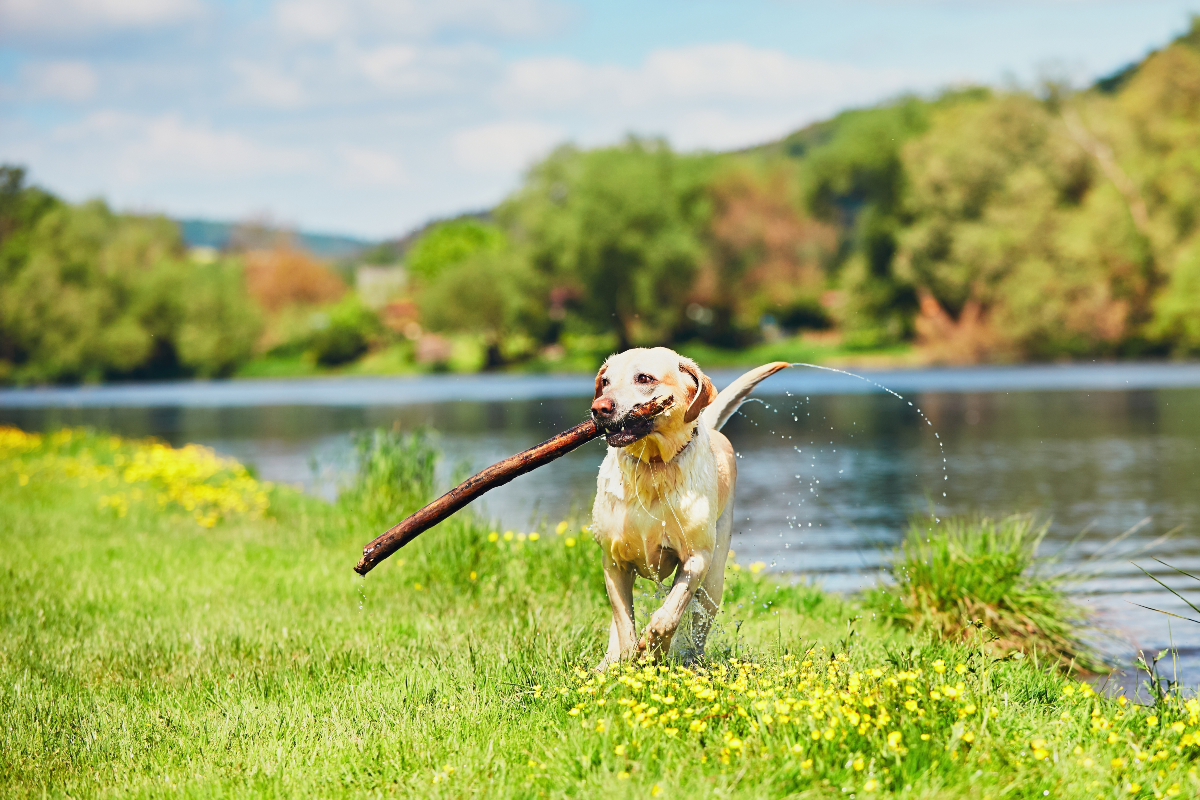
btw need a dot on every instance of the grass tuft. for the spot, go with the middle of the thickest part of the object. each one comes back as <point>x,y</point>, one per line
<point>962,574</point>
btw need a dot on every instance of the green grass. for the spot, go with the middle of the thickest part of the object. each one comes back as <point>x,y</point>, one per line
<point>955,575</point>
<point>146,656</point>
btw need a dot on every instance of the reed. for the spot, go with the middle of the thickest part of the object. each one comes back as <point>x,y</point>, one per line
<point>965,574</point>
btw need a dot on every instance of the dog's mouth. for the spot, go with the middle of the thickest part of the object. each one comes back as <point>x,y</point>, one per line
<point>628,431</point>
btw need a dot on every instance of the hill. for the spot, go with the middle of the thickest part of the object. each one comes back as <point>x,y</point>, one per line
<point>210,233</point>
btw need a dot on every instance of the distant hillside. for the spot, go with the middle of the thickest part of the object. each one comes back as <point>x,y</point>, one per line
<point>208,233</point>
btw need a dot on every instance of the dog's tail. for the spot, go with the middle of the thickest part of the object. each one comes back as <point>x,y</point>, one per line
<point>730,399</point>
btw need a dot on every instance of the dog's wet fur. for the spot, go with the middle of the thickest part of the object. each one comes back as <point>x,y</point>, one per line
<point>664,495</point>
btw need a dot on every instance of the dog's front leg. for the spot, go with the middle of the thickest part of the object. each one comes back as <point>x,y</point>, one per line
<point>622,635</point>
<point>664,622</point>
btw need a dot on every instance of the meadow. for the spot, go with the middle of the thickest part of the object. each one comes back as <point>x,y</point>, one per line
<point>171,626</point>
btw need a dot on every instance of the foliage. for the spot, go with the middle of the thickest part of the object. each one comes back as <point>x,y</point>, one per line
<point>957,575</point>
<point>766,258</point>
<point>342,332</point>
<point>979,225</point>
<point>449,244</point>
<point>139,656</point>
<point>393,476</point>
<point>614,234</point>
<point>143,474</point>
<point>285,276</point>
<point>89,294</point>
<point>218,322</point>
<point>489,294</point>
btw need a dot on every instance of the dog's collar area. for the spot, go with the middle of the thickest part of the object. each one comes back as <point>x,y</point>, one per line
<point>692,438</point>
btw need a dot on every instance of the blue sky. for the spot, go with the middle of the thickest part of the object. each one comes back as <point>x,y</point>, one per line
<point>372,116</point>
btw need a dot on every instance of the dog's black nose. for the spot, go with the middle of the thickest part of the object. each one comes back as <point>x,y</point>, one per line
<point>603,408</point>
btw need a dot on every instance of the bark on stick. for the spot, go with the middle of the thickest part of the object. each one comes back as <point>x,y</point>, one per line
<point>498,474</point>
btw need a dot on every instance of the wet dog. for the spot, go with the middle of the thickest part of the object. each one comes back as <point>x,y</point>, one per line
<point>664,496</point>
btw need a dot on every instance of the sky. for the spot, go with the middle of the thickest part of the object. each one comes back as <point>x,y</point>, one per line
<point>371,117</point>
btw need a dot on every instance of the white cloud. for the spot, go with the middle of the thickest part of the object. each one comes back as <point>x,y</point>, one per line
<point>140,148</point>
<point>261,83</point>
<point>91,17</point>
<point>718,130</point>
<point>728,73</point>
<point>361,165</point>
<point>700,96</point>
<point>414,19</point>
<point>500,147</point>
<point>59,80</point>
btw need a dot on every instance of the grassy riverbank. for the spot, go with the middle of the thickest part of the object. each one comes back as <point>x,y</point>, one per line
<point>468,354</point>
<point>170,626</point>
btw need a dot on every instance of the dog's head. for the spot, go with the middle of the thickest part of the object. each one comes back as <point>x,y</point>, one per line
<point>635,376</point>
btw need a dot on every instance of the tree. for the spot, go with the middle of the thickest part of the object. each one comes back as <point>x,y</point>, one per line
<point>488,294</point>
<point>451,243</point>
<point>765,256</point>
<point>616,230</point>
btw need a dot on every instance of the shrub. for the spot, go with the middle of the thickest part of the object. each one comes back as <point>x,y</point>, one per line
<point>345,333</point>
<point>963,574</point>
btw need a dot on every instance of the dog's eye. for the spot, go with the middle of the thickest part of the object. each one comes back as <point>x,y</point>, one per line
<point>604,381</point>
<point>644,378</point>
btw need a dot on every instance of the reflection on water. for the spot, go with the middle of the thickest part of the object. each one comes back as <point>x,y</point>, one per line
<point>826,481</point>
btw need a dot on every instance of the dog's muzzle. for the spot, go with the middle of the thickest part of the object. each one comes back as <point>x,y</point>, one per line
<point>626,431</point>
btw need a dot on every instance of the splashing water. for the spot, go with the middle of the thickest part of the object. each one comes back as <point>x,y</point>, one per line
<point>898,396</point>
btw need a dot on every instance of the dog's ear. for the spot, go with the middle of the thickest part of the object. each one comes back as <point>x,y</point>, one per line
<point>704,393</point>
<point>600,382</point>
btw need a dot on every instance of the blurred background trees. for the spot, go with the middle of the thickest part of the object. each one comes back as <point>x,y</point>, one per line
<point>976,226</point>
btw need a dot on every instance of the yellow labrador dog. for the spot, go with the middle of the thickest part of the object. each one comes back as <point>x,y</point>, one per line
<point>664,496</point>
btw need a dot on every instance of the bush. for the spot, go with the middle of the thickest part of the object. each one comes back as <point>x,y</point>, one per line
<point>963,574</point>
<point>218,324</point>
<point>345,332</point>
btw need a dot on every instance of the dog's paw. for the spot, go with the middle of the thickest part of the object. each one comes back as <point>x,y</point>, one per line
<point>656,640</point>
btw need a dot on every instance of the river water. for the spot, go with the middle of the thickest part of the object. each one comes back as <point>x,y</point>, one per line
<point>830,467</point>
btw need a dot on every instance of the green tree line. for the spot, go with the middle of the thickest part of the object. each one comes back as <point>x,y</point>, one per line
<point>980,225</point>
<point>983,225</point>
<point>87,294</point>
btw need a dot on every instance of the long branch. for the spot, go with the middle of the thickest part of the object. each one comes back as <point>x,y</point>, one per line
<point>498,474</point>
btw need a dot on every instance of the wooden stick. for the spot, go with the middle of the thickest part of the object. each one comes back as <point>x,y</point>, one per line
<point>498,474</point>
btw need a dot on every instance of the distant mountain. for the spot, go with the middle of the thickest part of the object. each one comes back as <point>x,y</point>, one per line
<point>209,233</point>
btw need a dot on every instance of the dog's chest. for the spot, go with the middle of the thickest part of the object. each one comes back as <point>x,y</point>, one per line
<point>642,509</point>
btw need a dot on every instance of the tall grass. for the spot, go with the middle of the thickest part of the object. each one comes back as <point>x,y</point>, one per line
<point>963,574</point>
